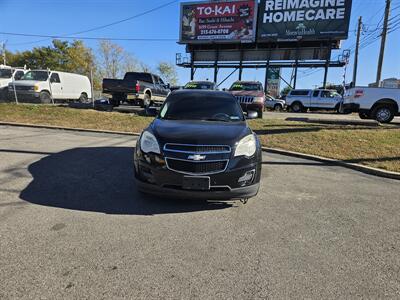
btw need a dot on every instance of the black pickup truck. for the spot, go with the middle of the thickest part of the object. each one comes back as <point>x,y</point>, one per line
<point>138,88</point>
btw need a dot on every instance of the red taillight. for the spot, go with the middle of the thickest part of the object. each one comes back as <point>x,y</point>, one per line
<point>358,93</point>
<point>137,88</point>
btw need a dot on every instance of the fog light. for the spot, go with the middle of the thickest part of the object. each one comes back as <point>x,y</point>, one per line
<point>247,177</point>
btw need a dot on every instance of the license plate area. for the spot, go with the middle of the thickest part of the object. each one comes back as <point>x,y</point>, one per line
<point>196,183</point>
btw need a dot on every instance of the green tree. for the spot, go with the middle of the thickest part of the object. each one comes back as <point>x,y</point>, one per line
<point>286,90</point>
<point>168,72</point>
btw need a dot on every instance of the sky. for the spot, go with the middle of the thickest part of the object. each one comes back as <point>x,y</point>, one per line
<point>60,17</point>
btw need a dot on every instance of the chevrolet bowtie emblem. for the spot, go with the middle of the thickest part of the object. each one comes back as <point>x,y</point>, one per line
<point>197,157</point>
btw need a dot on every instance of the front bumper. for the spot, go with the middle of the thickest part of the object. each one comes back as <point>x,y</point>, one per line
<point>252,107</point>
<point>24,95</point>
<point>232,194</point>
<point>161,181</point>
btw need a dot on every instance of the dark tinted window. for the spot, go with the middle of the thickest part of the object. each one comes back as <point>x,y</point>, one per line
<point>199,86</point>
<point>18,75</point>
<point>316,94</point>
<point>299,93</point>
<point>246,86</point>
<point>133,76</point>
<point>204,107</point>
<point>5,73</point>
<point>55,78</point>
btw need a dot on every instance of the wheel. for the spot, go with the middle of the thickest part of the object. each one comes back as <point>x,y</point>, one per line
<point>115,101</point>
<point>260,114</point>
<point>45,97</point>
<point>383,113</point>
<point>297,107</point>
<point>146,103</point>
<point>83,98</point>
<point>363,115</point>
<point>278,107</point>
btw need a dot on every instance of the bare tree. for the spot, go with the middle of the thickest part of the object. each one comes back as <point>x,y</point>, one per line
<point>168,72</point>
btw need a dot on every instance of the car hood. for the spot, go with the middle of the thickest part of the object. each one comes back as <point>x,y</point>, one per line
<point>199,132</point>
<point>26,82</point>
<point>248,93</point>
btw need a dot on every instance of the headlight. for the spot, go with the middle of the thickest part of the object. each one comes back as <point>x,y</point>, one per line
<point>247,146</point>
<point>35,87</point>
<point>258,100</point>
<point>148,143</point>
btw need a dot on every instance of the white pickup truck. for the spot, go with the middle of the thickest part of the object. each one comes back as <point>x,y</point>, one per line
<point>381,104</point>
<point>302,100</point>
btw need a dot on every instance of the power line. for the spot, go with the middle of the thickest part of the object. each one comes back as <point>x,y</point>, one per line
<point>66,36</point>
<point>88,38</point>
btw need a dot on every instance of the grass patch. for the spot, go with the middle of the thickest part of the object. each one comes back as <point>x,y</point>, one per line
<point>373,146</point>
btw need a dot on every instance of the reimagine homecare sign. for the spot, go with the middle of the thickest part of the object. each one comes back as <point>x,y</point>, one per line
<point>289,20</point>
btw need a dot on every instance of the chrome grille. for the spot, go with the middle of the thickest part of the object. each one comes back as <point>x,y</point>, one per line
<point>197,159</point>
<point>245,99</point>
<point>196,149</point>
<point>198,168</point>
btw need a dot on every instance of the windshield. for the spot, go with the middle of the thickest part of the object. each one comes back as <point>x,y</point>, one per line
<point>199,86</point>
<point>5,73</point>
<point>241,86</point>
<point>36,75</point>
<point>201,107</point>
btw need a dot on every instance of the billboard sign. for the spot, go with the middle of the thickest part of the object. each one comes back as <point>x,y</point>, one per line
<point>274,81</point>
<point>208,22</point>
<point>292,20</point>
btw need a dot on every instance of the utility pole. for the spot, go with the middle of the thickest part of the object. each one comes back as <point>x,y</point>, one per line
<point>357,49</point>
<point>4,53</point>
<point>383,42</point>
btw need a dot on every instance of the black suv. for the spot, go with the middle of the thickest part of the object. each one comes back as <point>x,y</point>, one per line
<point>199,146</point>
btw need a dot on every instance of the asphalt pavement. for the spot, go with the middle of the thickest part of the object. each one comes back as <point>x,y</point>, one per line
<point>72,225</point>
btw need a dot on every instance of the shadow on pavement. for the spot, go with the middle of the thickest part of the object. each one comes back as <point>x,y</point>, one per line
<point>99,180</point>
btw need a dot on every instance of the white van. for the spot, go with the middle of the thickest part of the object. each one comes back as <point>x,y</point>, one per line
<point>7,75</point>
<point>43,85</point>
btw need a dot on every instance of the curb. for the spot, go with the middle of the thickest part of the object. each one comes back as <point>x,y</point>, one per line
<point>68,128</point>
<point>353,166</point>
<point>341,163</point>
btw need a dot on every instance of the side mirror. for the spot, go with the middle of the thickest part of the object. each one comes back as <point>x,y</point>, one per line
<point>251,115</point>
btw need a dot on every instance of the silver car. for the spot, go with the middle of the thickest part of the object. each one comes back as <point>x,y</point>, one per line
<point>274,104</point>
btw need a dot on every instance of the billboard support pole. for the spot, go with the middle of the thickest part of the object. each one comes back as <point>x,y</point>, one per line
<point>192,66</point>
<point>328,58</point>
<point>241,65</point>
<point>266,77</point>
<point>216,65</point>
<point>296,64</point>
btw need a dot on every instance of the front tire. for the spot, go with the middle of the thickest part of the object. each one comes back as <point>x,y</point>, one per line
<point>45,97</point>
<point>260,114</point>
<point>297,107</point>
<point>383,113</point>
<point>278,108</point>
<point>146,104</point>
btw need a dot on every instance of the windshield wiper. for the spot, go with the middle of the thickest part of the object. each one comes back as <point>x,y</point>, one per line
<point>215,119</point>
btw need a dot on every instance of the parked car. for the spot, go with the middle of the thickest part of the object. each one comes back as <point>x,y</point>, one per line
<point>273,103</point>
<point>381,104</point>
<point>7,75</point>
<point>199,146</point>
<point>143,89</point>
<point>250,95</point>
<point>302,100</point>
<point>43,85</point>
<point>200,85</point>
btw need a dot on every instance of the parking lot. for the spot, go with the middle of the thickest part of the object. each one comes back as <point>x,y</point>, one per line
<point>72,225</point>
